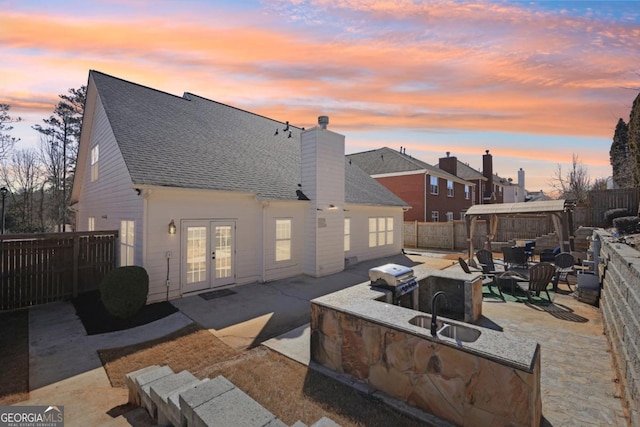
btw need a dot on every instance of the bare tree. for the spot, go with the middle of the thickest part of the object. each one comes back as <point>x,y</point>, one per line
<point>6,141</point>
<point>24,177</point>
<point>575,184</point>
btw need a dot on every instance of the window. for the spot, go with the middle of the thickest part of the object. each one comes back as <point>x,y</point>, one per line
<point>94,163</point>
<point>449,216</point>
<point>463,215</point>
<point>435,216</point>
<point>126,242</point>
<point>283,239</point>
<point>91,226</point>
<point>434,184</point>
<point>467,192</point>
<point>347,234</point>
<point>380,231</point>
<point>449,188</point>
<point>196,254</point>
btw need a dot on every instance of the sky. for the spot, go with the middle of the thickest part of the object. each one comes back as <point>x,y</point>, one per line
<point>533,82</point>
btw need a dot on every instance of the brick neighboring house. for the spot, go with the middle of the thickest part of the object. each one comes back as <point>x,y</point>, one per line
<point>434,194</point>
<point>489,187</point>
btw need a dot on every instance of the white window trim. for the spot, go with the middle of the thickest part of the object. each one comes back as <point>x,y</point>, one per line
<point>127,248</point>
<point>450,188</point>
<point>95,158</point>
<point>433,187</point>
<point>435,216</point>
<point>283,240</point>
<point>347,234</point>
<point>380,231</point>
<point>467,192</point>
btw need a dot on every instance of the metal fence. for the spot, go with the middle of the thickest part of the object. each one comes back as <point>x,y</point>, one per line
<point>41,268</point>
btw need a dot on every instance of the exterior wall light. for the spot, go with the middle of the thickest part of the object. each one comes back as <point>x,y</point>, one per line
<point>332,207</point>
<point>172,227</point>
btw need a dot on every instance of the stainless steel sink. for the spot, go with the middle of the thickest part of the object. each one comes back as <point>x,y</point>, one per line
<point>456,332</point>
<point>459,333</point>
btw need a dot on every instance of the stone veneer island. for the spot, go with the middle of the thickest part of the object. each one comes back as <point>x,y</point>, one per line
<point>494,380</point>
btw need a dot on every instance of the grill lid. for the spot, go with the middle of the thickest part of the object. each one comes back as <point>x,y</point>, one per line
<point>390,275</point>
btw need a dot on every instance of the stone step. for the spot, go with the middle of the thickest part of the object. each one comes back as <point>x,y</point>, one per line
<point>130,381</point>
<point>325,422</point>
<point>142,383</point>
<point>161,389</point>
<point>181,400</point>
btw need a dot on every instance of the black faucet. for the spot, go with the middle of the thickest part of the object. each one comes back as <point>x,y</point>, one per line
<point>434,312</point>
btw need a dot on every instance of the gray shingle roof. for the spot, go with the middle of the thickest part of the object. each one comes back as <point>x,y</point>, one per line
<point>193,142</point>
<point>385,160</point>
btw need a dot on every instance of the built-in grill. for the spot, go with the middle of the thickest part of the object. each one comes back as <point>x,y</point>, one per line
<point>398,279</point>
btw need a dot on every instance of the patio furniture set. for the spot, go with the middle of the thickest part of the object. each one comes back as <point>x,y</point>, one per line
<point>518,271</point>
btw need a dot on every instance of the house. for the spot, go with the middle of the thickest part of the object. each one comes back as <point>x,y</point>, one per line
<point>434,194</point>
<point>206,195</point>
<point>492,188</point>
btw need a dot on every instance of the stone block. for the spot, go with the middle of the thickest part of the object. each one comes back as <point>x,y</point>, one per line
<point>144,381</point>
<point>233,408</point>
<point>130,381</point>
<point>201,393</point>
<point>176,418</point>
<point>299,424</point>
<point>325,422</point>
<point>160,390</point>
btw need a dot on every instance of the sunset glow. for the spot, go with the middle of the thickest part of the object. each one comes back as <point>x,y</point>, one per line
<point>532,82</point>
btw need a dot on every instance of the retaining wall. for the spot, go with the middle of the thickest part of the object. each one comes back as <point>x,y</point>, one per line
<point>619,270</point>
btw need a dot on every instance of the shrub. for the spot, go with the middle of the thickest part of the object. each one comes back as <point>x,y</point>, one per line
<point>612,214</point>
<point>627,224</point>
<point>124,291</point>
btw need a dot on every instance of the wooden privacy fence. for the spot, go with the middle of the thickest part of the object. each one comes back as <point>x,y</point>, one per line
<point>599,202</point>
<point>452,235</point>
<point>42,268</point>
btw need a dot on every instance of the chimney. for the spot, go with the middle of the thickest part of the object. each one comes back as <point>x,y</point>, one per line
<point>521,178</point>
<point>487,172</point>
<point>323,121</point>
<point>449,164</point>
<point>322,170</point>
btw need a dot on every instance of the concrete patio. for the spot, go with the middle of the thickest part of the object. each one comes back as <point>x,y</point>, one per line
<point>578,383</point>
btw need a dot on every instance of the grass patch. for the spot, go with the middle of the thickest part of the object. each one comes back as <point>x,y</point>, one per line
<point>290,390</point>
<point>14,357</point>
<point>191,348</point>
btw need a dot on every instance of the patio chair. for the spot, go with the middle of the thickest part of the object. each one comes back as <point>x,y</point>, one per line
<point>564,262</point>
<point>486,262</point>
<point>515,257</point>
<point>540,275</point>
<point>487,279</point>
<point>549,255</point>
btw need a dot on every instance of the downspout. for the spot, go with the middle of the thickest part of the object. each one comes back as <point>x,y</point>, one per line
<point>425,199</point>
<point>263,271</point>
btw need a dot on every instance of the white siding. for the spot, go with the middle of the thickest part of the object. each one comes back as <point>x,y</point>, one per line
<point>360,215</point>
<point>111,198</point>
<point>323,181</point>
<point>181,205</point>
<point>296,211</point>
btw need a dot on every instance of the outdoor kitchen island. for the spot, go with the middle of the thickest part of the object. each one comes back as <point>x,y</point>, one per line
<point>467,374</point>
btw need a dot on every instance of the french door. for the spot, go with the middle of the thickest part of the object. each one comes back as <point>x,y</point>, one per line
<point>209,254</point>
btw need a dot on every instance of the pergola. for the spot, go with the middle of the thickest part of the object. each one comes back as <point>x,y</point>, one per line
<point>560,211</point>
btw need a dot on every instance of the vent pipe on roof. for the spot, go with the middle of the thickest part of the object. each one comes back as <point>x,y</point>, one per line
<point>323,121</point>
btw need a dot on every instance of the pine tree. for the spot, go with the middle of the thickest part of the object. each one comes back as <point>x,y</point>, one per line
<point>619,156</point>
<point>634,140</point>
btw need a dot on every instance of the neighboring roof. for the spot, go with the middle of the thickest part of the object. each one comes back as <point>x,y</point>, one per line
<point>193,142</point>
<point>521,208</point>
<point>468,173</point>
<point>387,161</point>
